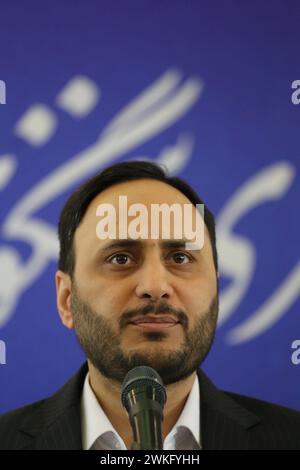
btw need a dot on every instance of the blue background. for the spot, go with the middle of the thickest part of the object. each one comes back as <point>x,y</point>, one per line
<point>247,56</point>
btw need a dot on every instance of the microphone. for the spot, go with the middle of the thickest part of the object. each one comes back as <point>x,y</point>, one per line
<point>144,396</point>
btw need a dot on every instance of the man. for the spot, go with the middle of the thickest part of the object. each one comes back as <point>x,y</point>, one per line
<point>141,301</point>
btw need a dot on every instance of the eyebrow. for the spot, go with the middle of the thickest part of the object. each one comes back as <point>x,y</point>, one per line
<point>129,243</point>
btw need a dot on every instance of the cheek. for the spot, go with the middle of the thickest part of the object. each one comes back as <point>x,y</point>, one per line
<point>198,297</point>
<point>195,303</point>
<point>107,296</point>
<point>110,302</point>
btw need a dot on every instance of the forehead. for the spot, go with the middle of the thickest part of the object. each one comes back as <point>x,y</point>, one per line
<point>144,191</point>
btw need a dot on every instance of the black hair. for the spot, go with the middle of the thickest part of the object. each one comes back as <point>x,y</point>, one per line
<point>78,202</point>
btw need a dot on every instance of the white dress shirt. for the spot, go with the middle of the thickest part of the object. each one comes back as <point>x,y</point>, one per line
<point>99,434</point>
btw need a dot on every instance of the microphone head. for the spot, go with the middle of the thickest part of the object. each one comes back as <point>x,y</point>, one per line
<point>140,377</point>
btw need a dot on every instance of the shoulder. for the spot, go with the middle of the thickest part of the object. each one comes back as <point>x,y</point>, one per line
<point>264,407</point>
<point>18,428</point>
<point>11,424</point>
<point>19,415</point>
<point>235,421</point>
<point>269,413</point>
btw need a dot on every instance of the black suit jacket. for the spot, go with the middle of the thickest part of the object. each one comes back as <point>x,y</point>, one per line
<point>228,421</point>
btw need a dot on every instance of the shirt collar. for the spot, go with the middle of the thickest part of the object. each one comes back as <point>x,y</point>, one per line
<point>189,417</point>
<point>95,423</point>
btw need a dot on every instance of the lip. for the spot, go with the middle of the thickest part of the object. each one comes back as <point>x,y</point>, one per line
<point>155,326</point>
<point>155,319</point>
<point>155,322</point>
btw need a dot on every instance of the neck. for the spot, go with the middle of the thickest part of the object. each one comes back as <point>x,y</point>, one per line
<point>108,394</point>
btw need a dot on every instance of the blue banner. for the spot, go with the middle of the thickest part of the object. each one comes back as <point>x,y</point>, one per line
<point>211,90</point>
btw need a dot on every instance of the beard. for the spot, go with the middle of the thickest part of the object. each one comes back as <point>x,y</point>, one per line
<point>102,345</point>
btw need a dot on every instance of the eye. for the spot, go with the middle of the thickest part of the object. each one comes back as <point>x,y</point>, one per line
<point>180,255</point>
<point>121,257</point>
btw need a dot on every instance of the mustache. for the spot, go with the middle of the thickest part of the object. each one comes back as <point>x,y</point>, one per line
<point>154,309</point>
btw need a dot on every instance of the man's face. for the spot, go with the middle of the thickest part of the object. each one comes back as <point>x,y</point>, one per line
<point>113,287</point>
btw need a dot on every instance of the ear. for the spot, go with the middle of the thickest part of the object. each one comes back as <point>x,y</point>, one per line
<point>63,298</point>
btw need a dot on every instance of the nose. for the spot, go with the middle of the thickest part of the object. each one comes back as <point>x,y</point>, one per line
<point>154,280</point>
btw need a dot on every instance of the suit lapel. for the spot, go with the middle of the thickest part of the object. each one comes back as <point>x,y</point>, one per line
<point>224,423</point>
<point>55,424</point>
